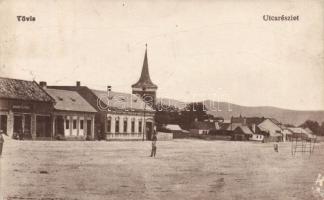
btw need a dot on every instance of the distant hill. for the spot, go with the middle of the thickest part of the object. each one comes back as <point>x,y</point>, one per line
<point>227,110</point>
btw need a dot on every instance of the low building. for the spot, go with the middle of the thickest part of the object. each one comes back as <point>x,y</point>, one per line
<point>272,128</point>
<point>127,116</point>
<point>239,131</point>
<point>73,116</point>
<point>119,116</point>
<point>286,134</point>
<point>268,129</point>
<point>299,132</point>
<point>164,136</point>
<point>176,130</point>
<point>257,137</point>
<point>309,131</point>
<point>25,109</point>
<point>173,128</point>
<point>201,128</point>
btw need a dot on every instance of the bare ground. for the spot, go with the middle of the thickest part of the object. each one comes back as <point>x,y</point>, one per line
<point>183,169</point>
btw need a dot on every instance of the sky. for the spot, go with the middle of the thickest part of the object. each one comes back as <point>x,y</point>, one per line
<point>220,50</point>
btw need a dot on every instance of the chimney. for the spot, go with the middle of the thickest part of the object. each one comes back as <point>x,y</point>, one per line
<point>217,125</point>
<point>253,128</point>
<point>109,88</point>
<point>43,84</point>
<point>244,121</point>
<point>78,83</point>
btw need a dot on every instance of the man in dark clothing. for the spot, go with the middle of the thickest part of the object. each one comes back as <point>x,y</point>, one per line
<point>154,139</point>
<point>276,147</point>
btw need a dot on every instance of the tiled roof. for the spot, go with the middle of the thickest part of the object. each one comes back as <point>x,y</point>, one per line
<point>308,130</point>
<point>255,120</point>
<point>245,129</point>
<point>299,130</point>
<point>22,90</point>
<point>174,127</point>
<point>122,101</point>
<point>287,131</point>
<point>224,126</point>
<point>276,122</point>
<point>233,126</point>
<point>69,101</point>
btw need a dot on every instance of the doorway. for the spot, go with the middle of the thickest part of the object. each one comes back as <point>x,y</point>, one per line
<point>27,126</point>
<point>17,126</point>
<point>43,126</point>
<point>59,126</point>
<point>3,123</point>
<point>88,128</point>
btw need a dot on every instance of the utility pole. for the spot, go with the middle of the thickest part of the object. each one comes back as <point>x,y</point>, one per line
<point>144,123</point>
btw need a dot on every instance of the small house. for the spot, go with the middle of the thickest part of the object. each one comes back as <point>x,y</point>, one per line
<point>74,117</point>
<point>300,132</point>
<point>173,128</point>
<point>202,128</point>
<point>242,132</point>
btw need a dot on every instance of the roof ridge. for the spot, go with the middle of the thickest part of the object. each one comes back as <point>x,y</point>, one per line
<point>53,100</point>
<point>16,79</point>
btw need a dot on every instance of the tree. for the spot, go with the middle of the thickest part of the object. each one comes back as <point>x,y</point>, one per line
<point>321,131</point>
<point>166,114</point>
<point>312,125</point>
<point>193,111</point>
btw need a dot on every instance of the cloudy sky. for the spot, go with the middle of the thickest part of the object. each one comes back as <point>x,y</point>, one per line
<point>221,50</point>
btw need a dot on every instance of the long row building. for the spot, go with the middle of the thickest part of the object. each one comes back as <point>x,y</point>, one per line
<point>39,111</point>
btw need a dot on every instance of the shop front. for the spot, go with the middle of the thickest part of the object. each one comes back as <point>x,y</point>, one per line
<point>25,119</point>
<point>25,109</point>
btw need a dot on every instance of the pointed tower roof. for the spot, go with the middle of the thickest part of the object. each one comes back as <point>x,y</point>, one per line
<point>145,80</point>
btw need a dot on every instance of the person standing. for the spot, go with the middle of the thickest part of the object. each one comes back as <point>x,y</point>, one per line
<point>1,142</point>
<point>153,152</point>
<point>276,147</point>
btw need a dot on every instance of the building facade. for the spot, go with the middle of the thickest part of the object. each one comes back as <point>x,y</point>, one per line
<point>25,109</point>
<point>125,116</point>
<point>73,116</point>
<point>119,116</point>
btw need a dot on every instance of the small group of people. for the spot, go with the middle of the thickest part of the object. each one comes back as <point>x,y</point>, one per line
<point>19,135</point>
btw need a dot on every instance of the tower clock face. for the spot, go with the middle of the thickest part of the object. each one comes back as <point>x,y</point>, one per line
<point>149,99</point>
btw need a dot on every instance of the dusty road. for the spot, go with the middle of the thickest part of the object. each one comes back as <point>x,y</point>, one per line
<point>183,169</point>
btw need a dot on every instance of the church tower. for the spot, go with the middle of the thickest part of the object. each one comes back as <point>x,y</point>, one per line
<point>144,87</point>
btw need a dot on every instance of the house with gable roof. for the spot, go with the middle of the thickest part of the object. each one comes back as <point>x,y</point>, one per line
<point>262,128</point>
<point>25,109</point>
<point>73,116</point>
